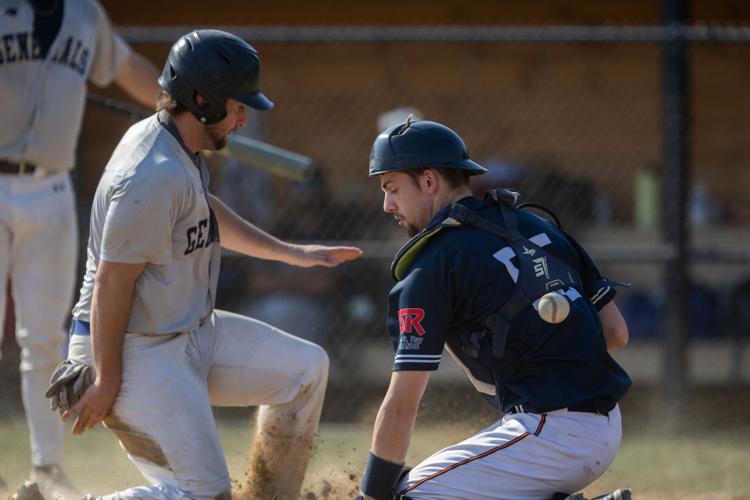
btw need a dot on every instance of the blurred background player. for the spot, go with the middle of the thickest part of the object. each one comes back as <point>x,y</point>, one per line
<point>468,282</point>
<point>51,49</point>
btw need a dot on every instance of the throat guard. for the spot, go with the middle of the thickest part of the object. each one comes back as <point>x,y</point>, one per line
<point>458,216</point>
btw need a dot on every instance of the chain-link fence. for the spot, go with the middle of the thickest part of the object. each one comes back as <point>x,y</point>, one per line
<point>575,122</point>
<point>572,118</point>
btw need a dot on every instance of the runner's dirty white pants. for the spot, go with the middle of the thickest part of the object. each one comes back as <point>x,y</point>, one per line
<point>38,249</point>
<point>162,415</point>
<point>522,456</point>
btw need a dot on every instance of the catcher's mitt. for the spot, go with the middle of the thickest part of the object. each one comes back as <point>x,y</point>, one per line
<point>67,384</point>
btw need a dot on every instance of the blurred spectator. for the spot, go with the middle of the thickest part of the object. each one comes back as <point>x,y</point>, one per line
<point>704,312</point>
<point>644,313</point>
<point>248,190</point>
<point>738,311</point>
<point>647,197</point>
<point>703,209</point>
<point>291,299</point>
<point>500,173</point>
<point>574,200</point>
<point>307,303</point>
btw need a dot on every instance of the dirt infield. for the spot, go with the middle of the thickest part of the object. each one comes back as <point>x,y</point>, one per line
<point>710,465</point>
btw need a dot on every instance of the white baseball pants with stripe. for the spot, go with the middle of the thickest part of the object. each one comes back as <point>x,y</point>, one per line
<point>38,249</point>
<point>162,415</point>
<point>522,456</point>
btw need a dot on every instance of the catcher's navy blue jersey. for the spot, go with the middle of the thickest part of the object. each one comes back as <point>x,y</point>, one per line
<point>462,275</point>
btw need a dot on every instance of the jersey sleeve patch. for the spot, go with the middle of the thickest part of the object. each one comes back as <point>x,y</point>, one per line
<point>412,353</point>
<point>419,316</point>
<point>410,320</point>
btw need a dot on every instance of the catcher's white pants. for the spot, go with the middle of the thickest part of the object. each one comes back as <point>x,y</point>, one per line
<point>38,246</point>
<point>163,417</point>
<point>522,456</point>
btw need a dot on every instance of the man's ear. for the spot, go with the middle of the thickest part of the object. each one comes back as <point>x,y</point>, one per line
<point>431,180</point>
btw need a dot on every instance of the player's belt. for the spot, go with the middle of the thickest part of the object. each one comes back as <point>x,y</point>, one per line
<point>589,408</point>
<point>78,327</point>
<point>22,168</point>
<point>583,408</point>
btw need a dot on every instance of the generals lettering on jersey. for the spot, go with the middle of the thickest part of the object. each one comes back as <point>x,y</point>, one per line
<point>72,53</point>
<point>19,47</point>
<point>25,46</point>
<point>199,236</point>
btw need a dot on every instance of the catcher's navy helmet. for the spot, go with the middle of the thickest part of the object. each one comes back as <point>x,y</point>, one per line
<point>420,144</point>
<point>216,65</point>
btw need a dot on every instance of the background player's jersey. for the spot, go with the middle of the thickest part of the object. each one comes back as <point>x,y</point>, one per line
<point>461,277</point>
<point>44,65</point>
<point>151,206</point>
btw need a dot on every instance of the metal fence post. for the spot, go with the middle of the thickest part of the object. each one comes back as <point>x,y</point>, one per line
<point>676,157</point>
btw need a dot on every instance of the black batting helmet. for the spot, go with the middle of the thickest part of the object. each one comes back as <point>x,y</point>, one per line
<point>420,144</point>
<point>217,65</point>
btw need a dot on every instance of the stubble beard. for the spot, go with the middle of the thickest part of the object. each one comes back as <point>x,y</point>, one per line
<point>411,229</point>
<point>217,139</point>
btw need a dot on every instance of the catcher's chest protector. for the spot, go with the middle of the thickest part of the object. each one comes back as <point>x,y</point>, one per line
<point>534,271</point>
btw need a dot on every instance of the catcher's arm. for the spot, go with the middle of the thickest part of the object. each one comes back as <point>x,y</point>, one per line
<point>613,326</point>
<point>394,424</point>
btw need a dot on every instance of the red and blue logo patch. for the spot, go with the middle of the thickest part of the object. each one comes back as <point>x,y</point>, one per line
<point>410,320</point>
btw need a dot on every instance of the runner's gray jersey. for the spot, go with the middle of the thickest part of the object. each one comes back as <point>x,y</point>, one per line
<point>42,88</point>
<point>151,206</point>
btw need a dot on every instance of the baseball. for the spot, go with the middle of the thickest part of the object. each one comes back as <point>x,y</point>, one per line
<point>553,307</point>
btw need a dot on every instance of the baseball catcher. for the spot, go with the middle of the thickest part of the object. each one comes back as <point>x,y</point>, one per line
<point>468,282</point>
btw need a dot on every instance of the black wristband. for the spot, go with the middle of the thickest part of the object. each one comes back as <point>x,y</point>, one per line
<point>380,477</point>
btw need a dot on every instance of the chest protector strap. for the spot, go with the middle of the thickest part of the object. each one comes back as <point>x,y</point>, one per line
<point>535,270</point>
<point>538,271</point>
